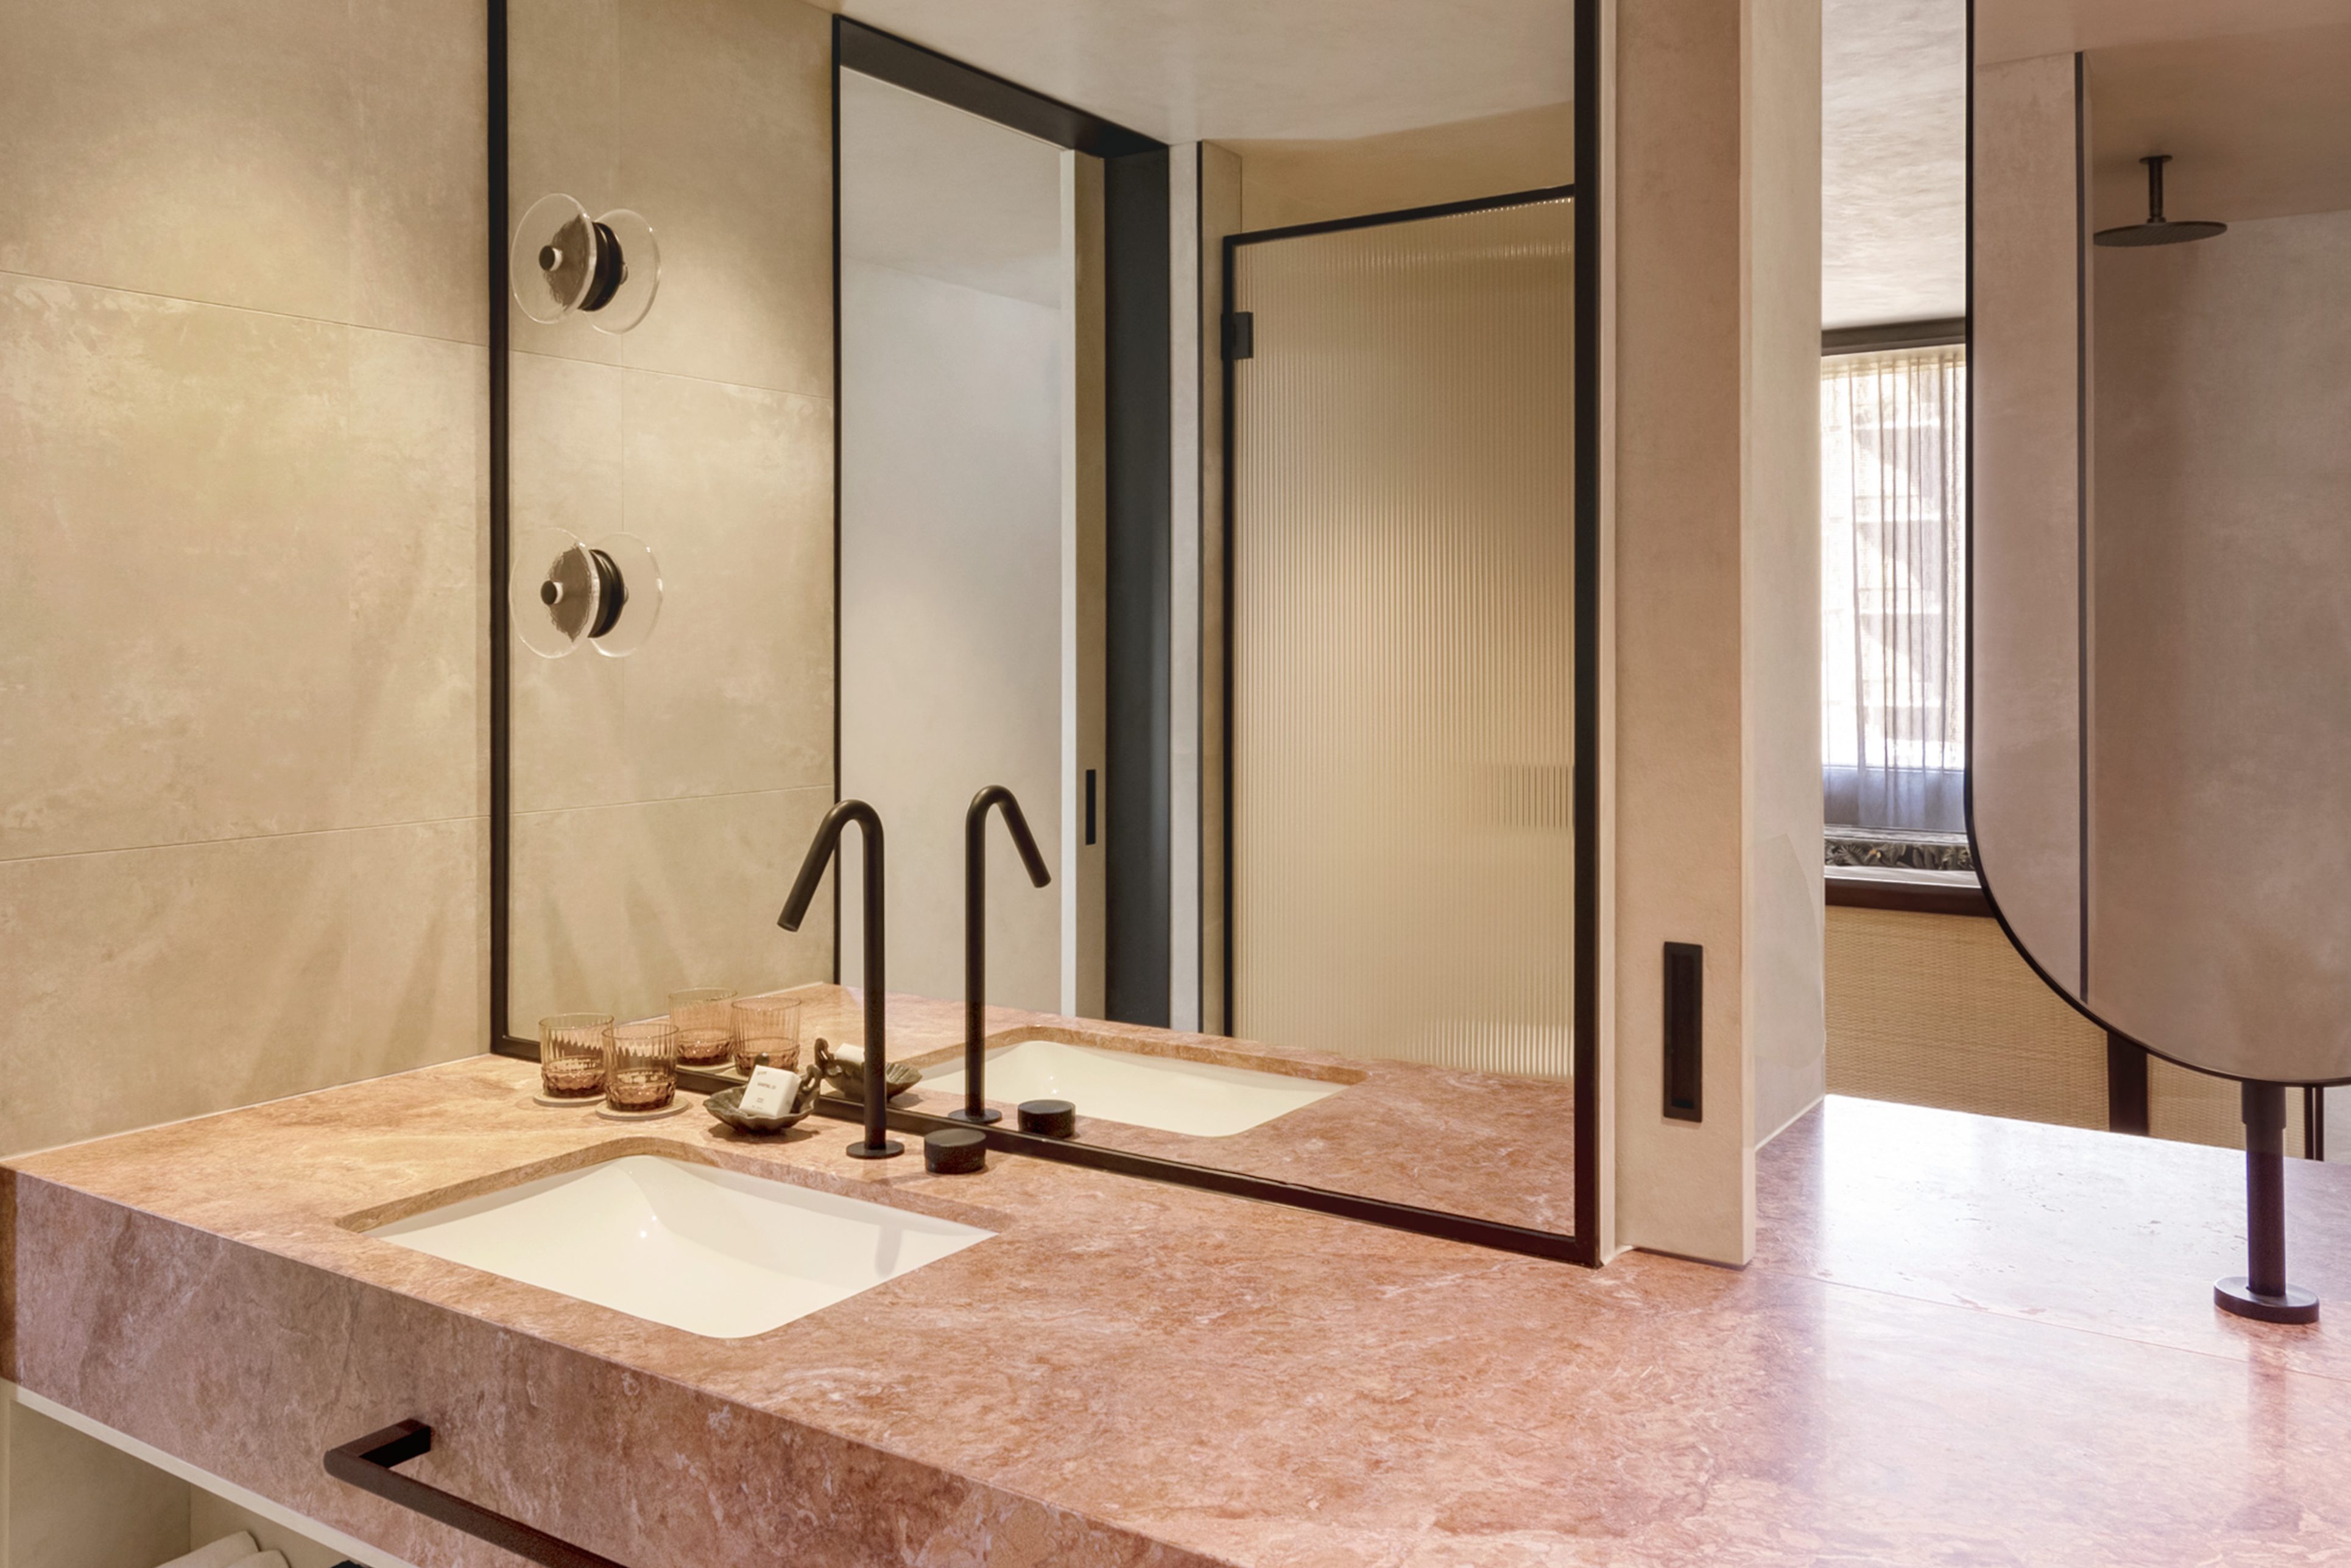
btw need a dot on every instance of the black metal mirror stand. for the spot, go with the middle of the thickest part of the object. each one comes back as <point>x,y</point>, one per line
<point>2262,1292</point>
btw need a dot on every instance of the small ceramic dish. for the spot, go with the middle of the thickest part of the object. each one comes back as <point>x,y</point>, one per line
<point>727,1106</point>
<point>847,1078</point>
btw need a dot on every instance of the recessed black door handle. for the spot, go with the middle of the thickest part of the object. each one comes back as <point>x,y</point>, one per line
<point>1684,1031</point>
<point>367,1463</point>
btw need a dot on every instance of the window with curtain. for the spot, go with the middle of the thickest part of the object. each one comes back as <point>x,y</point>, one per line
<point>1892,589</point>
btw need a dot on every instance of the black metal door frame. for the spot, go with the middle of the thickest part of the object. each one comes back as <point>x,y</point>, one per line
<point>1584,957</point>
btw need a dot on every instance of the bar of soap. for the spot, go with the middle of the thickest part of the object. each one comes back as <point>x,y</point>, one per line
<point>770,1092</point>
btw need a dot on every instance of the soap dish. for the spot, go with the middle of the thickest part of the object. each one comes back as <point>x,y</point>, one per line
<point>847,1077</point>
<point>727,1106</point>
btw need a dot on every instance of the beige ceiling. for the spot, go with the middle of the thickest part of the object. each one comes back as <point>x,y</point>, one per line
<point>2252,97</point>
<point>1184,70</point>
<point>2020,29</point>
<point>1296,71</point>
<point>1892,114</point>
<point>930,190</point>
<point>1893,161</point>
<point>2258,125</point>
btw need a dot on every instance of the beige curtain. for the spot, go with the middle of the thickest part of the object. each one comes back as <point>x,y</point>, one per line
<point>1893,588</point>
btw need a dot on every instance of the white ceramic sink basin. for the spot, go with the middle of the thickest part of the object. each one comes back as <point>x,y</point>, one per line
<point>711,1251</point>
<point>1204,1099</point>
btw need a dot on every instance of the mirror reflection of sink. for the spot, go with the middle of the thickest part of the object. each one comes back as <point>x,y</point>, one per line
<point>709,1251</point>
<point>1202,1099</point>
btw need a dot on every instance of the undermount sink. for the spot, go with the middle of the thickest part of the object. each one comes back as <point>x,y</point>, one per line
<point>1204,1099</point>
<point>708,1251</point>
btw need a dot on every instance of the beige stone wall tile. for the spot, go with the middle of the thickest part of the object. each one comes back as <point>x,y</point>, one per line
<point>416,447</point>
<point>731,487</point>
<point>419,171</point>
<point>567,448</point>
<point>614,907</point>
<point>416,984</point>
<point>315,160</point>
<point>563,75</point>
<point>246,601</point>
<point>198,149</point>
<point>713,118</point>
<point>147,985</point>
<point>174,493</point>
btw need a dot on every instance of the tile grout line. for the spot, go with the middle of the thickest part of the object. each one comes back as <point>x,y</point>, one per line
<point>671,800</point>
<point>244,310</point>
<point>163,844</point>
<point>825,399</point>
<point>822,398</point>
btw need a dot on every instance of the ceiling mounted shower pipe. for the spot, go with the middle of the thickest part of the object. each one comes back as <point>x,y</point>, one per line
<point>2157,229</point>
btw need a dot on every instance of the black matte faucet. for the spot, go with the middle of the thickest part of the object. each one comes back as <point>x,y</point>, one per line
<point>875,1146</point>
<point>975,934</point>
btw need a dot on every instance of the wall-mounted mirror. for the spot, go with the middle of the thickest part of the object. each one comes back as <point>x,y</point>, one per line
<point>2161,664</point>
<point>1191,456</point>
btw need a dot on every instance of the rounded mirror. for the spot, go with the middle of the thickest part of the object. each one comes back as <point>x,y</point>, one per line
<point>2160,659</point>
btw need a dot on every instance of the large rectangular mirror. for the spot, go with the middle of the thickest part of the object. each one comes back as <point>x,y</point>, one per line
<point>1194,460</point>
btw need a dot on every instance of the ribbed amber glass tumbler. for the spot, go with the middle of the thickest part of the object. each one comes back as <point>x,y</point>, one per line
<point>704,1018</point>
<point>641,1069</point>
<point>768,1032</point>
<point>571,1049</point>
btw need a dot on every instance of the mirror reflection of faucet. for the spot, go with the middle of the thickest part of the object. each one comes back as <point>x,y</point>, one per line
<point>975,934</point>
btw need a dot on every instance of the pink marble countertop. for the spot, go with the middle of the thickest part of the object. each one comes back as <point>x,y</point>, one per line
<point>1487,1144</point>
<point>1136,1374</point>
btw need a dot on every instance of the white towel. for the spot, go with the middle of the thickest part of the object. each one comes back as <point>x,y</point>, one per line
<point>262,1560</point>
<point>226,1553</point>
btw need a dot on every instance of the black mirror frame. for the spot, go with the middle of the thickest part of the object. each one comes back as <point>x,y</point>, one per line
<point>873,52</point>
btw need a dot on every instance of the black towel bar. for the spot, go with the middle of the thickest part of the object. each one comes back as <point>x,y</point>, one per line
<point>367,1463</point>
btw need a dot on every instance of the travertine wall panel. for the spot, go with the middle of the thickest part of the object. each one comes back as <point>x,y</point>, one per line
<point>243,477</point>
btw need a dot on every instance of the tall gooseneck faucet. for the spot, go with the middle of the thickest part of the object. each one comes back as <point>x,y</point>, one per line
<point>975,934</point>
<point>876,1146</point>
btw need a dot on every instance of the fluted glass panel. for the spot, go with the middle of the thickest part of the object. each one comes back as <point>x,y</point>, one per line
<point>1403,625</point>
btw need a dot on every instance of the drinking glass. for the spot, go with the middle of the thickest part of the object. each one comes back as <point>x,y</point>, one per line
<point>704,1018</point>
<point>571,1050</point>
<point>767,1029</point>
<point>641,1068</point>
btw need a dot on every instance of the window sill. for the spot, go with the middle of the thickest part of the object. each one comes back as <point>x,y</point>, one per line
<point>1907,890</point>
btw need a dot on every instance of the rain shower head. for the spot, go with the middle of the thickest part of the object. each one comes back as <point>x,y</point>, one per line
<point>2157,229</point>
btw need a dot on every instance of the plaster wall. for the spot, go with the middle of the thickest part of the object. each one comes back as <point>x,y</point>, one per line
<point>1716,596</point>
